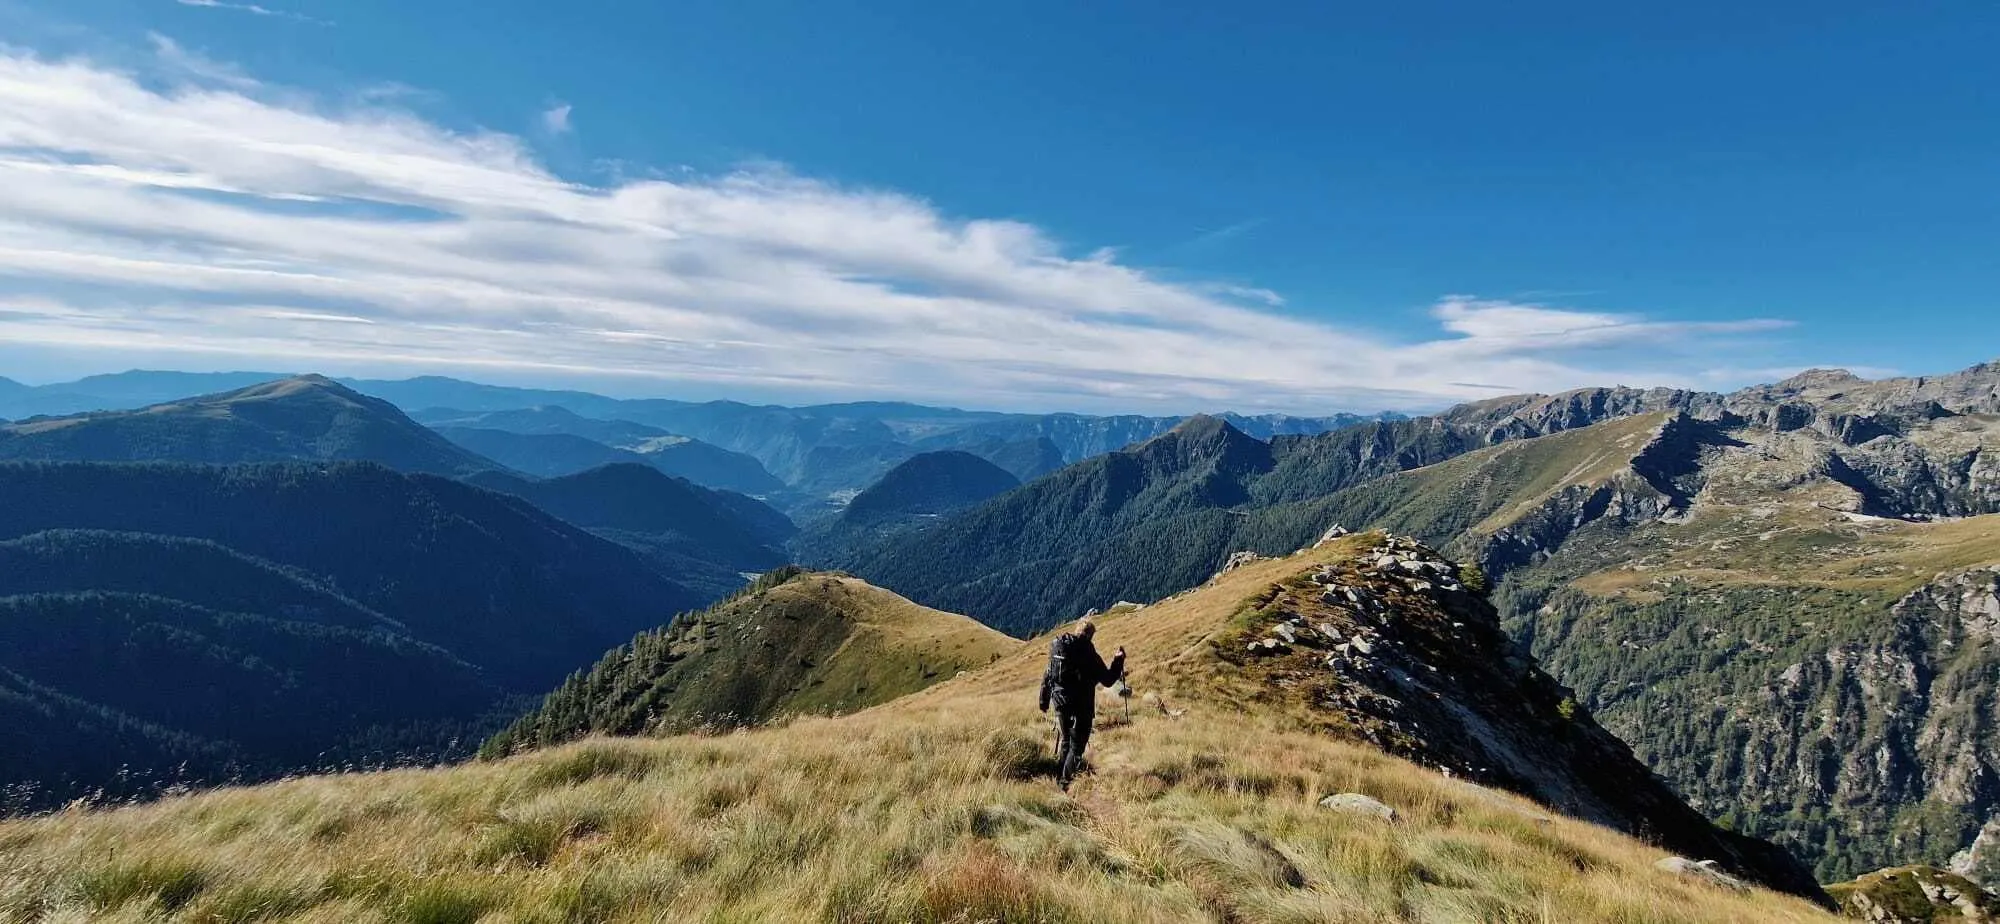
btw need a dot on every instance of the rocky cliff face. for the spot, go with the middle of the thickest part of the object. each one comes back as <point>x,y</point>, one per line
<point>1393,647</point>
<point>1916,895</point>
<point>1857,729</point>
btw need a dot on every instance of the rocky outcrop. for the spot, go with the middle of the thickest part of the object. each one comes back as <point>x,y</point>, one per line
<point>1524,416</point>
<point>1980,861</point>
<point>1661,481</point>
<point>1916,895</point>
<point>1390,647</point>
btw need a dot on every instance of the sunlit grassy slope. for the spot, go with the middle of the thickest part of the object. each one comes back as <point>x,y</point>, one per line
<point>792,643</point>
<point>935,807</point>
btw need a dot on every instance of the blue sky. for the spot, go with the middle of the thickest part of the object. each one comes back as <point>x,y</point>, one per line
<point>1107,206</point>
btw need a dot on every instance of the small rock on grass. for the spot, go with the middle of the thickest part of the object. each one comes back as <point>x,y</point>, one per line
<point>1354,803</point>
<point>1702,870</point>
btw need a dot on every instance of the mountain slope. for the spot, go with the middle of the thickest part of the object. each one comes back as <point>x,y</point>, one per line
<point>1145,521</point>
<point>552,441</point>
<point>542,420</point>
<point>551,455</point>
<point>496,582</point>
<point>930,483</point>
<point>794,643</point>
<point>699,537</point>
<point>308,418</point>
<point>1076,550</point>
<point>1023,560</point>
<point>163,624</point>
<point>934,807</point>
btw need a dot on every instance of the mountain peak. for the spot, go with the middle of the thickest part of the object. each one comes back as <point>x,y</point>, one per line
<point>293,386</point>
<point>1207,439</point>
<point>1203,425</point>
<point>931,483</point>
<point>1819,378</point>
<point>300,418</point>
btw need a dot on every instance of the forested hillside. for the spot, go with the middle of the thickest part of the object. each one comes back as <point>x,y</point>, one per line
<point>256,619</point>
<point>701,538</point>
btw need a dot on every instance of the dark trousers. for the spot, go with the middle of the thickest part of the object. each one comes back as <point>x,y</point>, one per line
<point>1072,736</point>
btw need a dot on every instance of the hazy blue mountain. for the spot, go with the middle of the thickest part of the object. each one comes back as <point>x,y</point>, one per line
<point>121,391</point>
<point>552,441</point>
<point>931,483</point>
<point>303,418</point>
<point>140,388</point>
<point>701,537</point>
<point>821,454</point>
<point>545,420</point>
<point>547,455</point>
<point>911,496</point>
<point>710,465</point>
<point>1026,460</point>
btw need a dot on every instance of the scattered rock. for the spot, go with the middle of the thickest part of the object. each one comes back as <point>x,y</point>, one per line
<point>1701,870</point>
<point>1239,559</point>
<point>1332,532</point>
<point>1267,646</point>
<point>1354,803</point>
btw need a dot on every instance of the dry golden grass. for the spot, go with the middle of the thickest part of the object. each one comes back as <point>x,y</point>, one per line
<point>934,808</point>
<point>1802,545</point>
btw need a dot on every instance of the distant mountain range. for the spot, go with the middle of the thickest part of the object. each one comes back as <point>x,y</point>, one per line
<point>702,538</point>
<point>818,456</point>
<point>303,418</point>
<point>551,441</point>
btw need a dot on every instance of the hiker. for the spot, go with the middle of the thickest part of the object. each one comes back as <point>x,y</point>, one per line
<point>1075,671</point>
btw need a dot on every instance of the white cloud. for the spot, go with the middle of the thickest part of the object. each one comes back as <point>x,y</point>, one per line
<point>219,217</point>
<point>253,9</point>
<point>555,119</point>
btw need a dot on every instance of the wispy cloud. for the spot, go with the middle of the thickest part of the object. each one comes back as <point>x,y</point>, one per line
<point>220,217</point>
<point>1212,237</point>
<point>253,9</point>
<point>555,119</point>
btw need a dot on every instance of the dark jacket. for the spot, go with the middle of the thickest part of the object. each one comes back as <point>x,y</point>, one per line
<point>1074,669</point>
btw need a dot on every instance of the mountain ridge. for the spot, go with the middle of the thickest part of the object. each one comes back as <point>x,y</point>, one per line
<point>304,418</point>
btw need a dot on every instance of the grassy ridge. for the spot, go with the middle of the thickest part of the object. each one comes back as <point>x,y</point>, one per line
<point>932,808</point>
<point>792,643</point>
